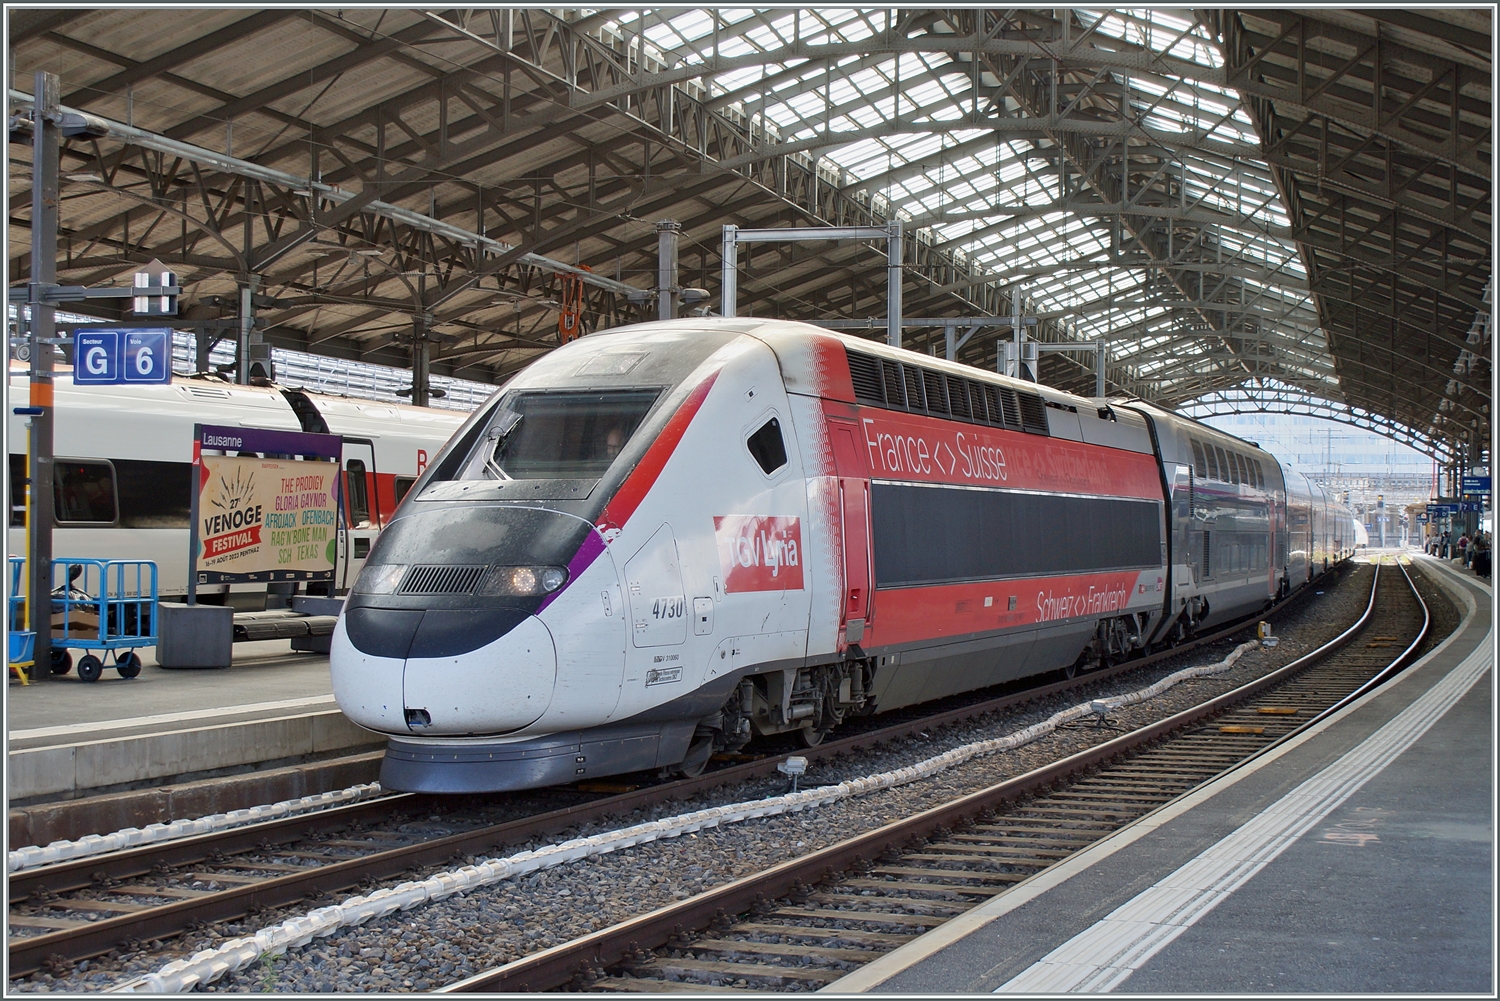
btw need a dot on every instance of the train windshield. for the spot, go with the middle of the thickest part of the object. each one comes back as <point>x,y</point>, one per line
<point>559,435</point>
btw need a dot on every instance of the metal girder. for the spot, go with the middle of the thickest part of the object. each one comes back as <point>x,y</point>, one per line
<point>1291,401</point>
<point>1376,151</point>
<point>1097,162</point>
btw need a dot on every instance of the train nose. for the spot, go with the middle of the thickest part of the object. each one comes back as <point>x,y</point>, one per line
<point>449,672</point>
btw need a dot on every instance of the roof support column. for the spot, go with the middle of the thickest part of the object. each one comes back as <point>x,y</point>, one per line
<point>244,352</point>
<point>893,290</point>
<point>668,291</point>
<point>421,361</point>
<point>43,319</point>
<point>729,272</point>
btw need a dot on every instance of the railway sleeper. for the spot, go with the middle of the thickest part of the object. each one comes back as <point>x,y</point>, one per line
<point>760,972</point>
<point>746,947</point>
<point>873,939</point>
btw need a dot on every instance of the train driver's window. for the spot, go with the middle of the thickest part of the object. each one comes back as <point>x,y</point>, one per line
<point>767,447</point>
<point>359,494</point>
<point>84,492</point>
<point>403,484</point>
<point>17,490</point>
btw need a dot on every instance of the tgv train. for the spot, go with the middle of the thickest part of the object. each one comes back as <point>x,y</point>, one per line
<point>122,482</point>
<point>659,541</point>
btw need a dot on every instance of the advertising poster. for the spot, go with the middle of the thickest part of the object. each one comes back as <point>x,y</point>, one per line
<point>266,520</point>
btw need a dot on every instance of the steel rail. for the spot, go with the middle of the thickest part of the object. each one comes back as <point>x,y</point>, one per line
<point>29,954</point>
<point>611,946</point>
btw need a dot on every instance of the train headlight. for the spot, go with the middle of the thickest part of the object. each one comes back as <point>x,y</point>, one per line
<point>380,579</point>
<point>524,581</point>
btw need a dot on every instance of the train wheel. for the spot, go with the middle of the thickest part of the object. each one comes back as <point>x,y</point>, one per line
<point>810,736</point>
<point>696,761</point>
<point>90,667</point>
<point>128,664</point>
<point>62,662</point>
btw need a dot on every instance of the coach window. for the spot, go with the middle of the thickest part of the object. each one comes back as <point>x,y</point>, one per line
<point>1213,463</point>
<point>154,494</point>
<point>1260,475</point>
<point>83,492</point>
<point>767,447</point>
<point>1223,464</point>
<point>359,494</point>
<point>1200,468</point>
<point>17,490</point>
<point>403,484</point>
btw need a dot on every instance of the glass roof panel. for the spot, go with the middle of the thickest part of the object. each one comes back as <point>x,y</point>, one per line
<point>1020,206</point>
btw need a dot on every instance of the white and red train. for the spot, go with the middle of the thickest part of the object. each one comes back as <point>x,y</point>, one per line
<point>659,541</point>
<point>123,474</point>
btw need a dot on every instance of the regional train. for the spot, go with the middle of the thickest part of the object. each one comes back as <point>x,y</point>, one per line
<point>660,541</point>
<point>122,481</point>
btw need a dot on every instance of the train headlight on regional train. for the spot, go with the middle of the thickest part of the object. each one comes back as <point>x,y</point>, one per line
<point>524,581</point>
<point>380,579</point>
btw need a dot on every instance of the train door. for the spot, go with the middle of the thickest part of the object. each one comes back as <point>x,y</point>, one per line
<point>361,510</point>
<point>857,614</point>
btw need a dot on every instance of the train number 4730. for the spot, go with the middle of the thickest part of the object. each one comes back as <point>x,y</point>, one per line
<point>672,607</point>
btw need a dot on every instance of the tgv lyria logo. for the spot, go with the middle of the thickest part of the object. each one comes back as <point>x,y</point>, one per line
<point>759,552</point>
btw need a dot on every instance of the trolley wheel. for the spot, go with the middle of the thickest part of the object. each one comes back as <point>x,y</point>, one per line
<point>128,664</point>
<point>90,667</point>
<point>62,661</point>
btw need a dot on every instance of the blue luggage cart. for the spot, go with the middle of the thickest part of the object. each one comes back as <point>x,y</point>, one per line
<point>22,640</point>
<point>104,605</point>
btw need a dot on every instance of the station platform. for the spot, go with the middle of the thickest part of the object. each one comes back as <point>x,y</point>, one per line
<point>1357,858</point>
<point>177,743</point>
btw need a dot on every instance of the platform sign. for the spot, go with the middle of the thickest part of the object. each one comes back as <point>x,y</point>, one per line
<point>104,356</point>
<point>1470,506</point>
<point>1441,510</point>
<point>96,358</point>
<point>1476,485</point>
<point>147,356</point>
<point>260,512</point>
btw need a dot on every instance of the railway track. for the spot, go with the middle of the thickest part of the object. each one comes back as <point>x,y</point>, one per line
<point>809,922</point>
<point>77,910</point>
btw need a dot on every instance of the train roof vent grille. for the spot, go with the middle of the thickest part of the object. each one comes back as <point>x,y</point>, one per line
<point>895,394</point>
<point>864,371</point>
<point>1010,410</point>
<point>1033,413</point>
<point>437,579</point>
<point>958,397</point>
<point>937,397</point>
<point>208,393</point>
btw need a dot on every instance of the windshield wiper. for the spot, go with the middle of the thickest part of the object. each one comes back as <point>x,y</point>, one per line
<point>498,433</point>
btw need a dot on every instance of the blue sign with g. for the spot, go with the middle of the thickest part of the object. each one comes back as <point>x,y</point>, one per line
<point>96,358</point>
